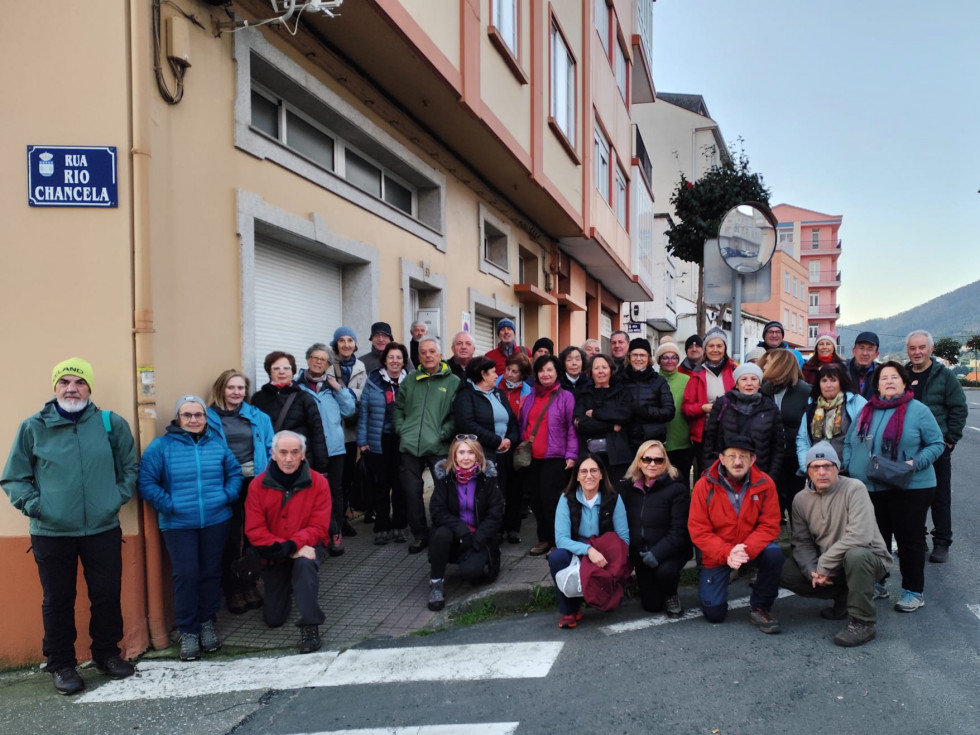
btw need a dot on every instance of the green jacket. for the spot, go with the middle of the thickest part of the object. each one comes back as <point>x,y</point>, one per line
<point>944,396</point>
<point>423,413</point>
<point>678,430</point>
<point>70,479</point>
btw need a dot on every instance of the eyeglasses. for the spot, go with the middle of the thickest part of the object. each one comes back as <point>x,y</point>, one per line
<point>655,460</point>
<point>669,357</point>
<point>188,416</point>
<point>466,437</point>
<point>590,471</point>
<point>733,456</point>
<point>821,467</point>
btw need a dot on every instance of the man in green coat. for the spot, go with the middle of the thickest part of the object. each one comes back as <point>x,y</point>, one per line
<point>70,469</point>
<point>424,423</point>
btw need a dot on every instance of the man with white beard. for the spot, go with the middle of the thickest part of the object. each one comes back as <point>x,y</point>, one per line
<point>70,469</point>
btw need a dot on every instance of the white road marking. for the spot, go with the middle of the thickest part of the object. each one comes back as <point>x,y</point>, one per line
<point>481,728</point>
<point>975,609</point>
<point>175,679</point>
<point>973,427</point>
<point>694,612</point>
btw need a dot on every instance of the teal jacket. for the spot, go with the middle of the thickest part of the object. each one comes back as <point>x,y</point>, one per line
<point>71,479</point>
<point>944,396</point>
<point>423,414</point>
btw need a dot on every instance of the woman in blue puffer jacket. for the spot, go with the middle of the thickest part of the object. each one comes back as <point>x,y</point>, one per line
<point>191,477</point>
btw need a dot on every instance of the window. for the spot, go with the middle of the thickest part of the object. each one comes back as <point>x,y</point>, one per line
<point>621,190</point>
<point>786,236</point>
<point>785,316</point>
<point>793,322</point>
<point>494,245</point>
<point>815,300</point>
<point>812,332</point>
<point>796,288</point>
<point>814,271</point>
<point>505,21</point>
<point>562,86</point>
<point>601,164</point>
<point>602,23</point>
<point>621,69</point>
<point>786,282</point>
<point>815,239</point>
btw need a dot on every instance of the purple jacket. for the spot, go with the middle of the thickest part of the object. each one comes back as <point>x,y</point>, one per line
<point>559,420</point>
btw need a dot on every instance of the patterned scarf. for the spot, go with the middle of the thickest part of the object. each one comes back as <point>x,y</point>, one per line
<point>464,476</point>
<point>827,417</point>
<point>893,431</point>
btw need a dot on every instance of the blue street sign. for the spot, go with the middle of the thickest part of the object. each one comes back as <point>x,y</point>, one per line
<point>71,176</point>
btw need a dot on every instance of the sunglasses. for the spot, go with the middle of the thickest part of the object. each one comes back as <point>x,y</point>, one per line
<point>466,437</point>
<point>655,460</point>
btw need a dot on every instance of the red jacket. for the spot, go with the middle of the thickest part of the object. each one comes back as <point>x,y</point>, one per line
<point>715,528</point>
<point>696,395</point>
<point>302,515</point>
<point>500,359</point>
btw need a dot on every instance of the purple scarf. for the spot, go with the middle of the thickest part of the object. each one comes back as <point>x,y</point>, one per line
<point>893,430</point>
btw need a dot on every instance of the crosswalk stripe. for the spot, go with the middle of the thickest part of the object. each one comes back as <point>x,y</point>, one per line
<point>477,728</point>
<point>690,614</point>
<point>175,679</point>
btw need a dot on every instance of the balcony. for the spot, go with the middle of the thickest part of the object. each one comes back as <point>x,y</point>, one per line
<point>642,43</point>
<point>825,279</point>
<point>824,246</point>
<point>831,311</point>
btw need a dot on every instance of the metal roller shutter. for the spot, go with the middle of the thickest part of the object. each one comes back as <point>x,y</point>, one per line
<point>484,335</point>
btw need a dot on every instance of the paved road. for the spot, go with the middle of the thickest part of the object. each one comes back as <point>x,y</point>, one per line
<point>619,672</point>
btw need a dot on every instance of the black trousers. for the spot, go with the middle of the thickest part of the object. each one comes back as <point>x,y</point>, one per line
<point>410,470</point>
<point>336,472</point>
<point>444,548</point>
<point>656,585</point>
<point>902,513</point>
<point>545,480</point>
<point>235,544</point>
<point>942,520</point>
<point>388,496</point>
<point>293,578</point>
<point>57,560</point>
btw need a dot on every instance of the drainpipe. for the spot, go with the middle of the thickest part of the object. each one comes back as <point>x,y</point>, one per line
<point>140,82</point>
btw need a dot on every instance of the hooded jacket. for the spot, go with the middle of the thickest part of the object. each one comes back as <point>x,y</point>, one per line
<point>763,424</point>
<point>424,411</point>
<point>652,403</point>
<point>657,517</point>
<point>301,515</point>
<point>334,406</point>
<point>375,414</point>
<point>262,433</point>
<point>489,510</point>
<point>696,395</point>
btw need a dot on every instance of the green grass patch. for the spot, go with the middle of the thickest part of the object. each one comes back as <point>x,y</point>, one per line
<point>481,613</point>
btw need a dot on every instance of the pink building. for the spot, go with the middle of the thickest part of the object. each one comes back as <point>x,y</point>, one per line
<point>813,239</point>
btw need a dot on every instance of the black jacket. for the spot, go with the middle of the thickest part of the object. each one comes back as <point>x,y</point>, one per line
<point>657,518</point>
<point>651,401</point>
<point>473,415</point>
<point>763,424</point>
<point>489,511</point>
<point>609,406</point>
<point>855,373</point>
<point>792,409</point>
<point>303,418</point>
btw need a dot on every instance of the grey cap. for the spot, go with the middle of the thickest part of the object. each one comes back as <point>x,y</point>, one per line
<point>823,450</point>
<point>189,399</point>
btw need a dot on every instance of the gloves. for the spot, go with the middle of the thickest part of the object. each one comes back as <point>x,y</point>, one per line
<point>277,551</point>
<point>649,559</point>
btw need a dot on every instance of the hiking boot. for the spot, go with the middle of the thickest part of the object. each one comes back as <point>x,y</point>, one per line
<point>437,600</point>
<point>209,640</point>
<point>674,609</point>
<point>335,546</point>
<point>838,611</point>
<point>253,599</point>
<point>67,680</point>
<point>115,668</point>
<point>856,633</point>
<point>309,638</point>
<point>190,647</point>
<point>237,604</point>
<point>881,591</point>
<point>909,601</point>
<point>940,553</point>
<point>397,536</point>
<point>380,538</point>
<point>764,621</point>
<point>418,545</point>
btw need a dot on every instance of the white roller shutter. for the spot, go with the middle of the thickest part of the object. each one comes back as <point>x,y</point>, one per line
<point>483,334</point>
<point>298,301</point>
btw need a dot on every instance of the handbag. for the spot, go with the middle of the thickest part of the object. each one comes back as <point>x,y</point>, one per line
<point>247,567</point>
<point>890,472</point>
<point>596,446</point>
<point>522,454</point>
<point>569,580</point>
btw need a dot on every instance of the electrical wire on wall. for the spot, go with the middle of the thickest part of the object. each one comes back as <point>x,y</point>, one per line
<point>176,67</point>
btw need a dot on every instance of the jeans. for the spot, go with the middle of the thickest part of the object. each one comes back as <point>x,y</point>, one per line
<point>297,579</point>
<point>713,584</point>
<point>902,513</point>
<point>855,580</point>
<point>57,560</point>
<point>195,558</point>
<point>410,471</point>
<point>558,559</point>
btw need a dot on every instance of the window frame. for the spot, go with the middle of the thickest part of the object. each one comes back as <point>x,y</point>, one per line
<point>499,38</point>
<point>602,163</point>
<point>621,197</point>
<point>502,232</point>
<point>566,137</point>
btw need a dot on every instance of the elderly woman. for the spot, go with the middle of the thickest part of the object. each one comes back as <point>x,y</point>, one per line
<point>781,380</point>
<point>353,375</point>
<point>832,411</point>
<point>573,377</point>
<point>589,509</point>
<point>547,422</point>
<point>705,386</point>
<point>894,425</point>
<point>248,433</point>
<point>824,353</point>
<point>649,394</point>
<point>746,411</point>
<point>513,386</point>
<point>466,508</point>
<point>602,411</point>
<point>656,503</point>
<point>192,479</point>
<point>378,442</point>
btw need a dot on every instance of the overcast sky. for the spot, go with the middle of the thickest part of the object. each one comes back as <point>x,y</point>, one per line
<point>868,109</point>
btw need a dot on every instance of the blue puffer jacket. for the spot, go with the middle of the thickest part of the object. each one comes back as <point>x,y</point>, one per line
<point>375,413</point>
<point>191,484</point>
<point>262,433</point>
<point>334,406</point>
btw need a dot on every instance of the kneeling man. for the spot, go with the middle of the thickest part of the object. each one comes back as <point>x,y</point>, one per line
<point>838,552</point>
<point>287,515</point>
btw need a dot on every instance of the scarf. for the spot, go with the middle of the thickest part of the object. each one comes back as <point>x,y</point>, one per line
<point>540,390</point>
<point>507,348</point>
<point>513,386</point>
<point>827,417</point>
<point>716,369</point>
<point>745,403</point>
<point>893,430</point>
<point>347,369</point>
<point>464,476</point>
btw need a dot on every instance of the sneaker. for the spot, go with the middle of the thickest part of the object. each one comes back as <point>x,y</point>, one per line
<point>437,599</point>
<point>115,668</point>
<point>380,538</point>
<point>764,621</point>
<point>838,611</point>
<point>940,553</point>
<point>209,640</point>
<point>190,647</point>
<point>540,549</point>
<point>397,536</point>
<point>67,680</point>
<point>856,633</point>
<point>909,601</point>
<point>881,591</point>
<point>570,620</point>
<point>418,545</point>
<point>237,604</point>
<point>253,599</point>
<point>335,546</point>
<point>674,609</point>
<point>309,638</point>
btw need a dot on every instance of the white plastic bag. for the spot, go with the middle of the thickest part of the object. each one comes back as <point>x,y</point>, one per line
<point>569,579</point>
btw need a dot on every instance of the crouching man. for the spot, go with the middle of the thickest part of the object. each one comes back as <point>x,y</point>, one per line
<point>287,515</point>
<point>838,552</point>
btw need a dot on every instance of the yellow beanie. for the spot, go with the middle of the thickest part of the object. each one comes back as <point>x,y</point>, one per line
<point>73,366</point>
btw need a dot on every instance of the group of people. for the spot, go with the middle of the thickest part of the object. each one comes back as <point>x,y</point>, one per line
<point>602,446</point>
